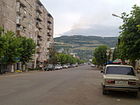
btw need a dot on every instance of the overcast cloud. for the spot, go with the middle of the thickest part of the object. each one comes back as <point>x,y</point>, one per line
<point>88,17</point>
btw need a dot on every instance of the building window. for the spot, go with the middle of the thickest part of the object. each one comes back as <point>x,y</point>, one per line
<point>18,20</point>
<point>18,6</point>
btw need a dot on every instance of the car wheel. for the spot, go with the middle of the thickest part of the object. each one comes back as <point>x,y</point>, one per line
<point>135,94</point>
<point>105,92</point>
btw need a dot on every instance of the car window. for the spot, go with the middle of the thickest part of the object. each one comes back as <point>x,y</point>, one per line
<point>120,70</point>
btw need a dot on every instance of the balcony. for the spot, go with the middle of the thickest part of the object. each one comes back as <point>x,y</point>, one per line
<point>38,9</point>
<point>38,50</point>
<point>39,37</point>
<point>49,22</point>
<point>48,34</point>
<point>48,39</point>
<point>38,33</point>
<point>21,21</point>
<point>38,2</point>
<point>38,25</point>
<point>39,43</point>
<point>22,3</point>
<point>18,20</point>
<point>38,18</point>
<point>18,7</point>
<point>49,15</point>
<point>49,28</point>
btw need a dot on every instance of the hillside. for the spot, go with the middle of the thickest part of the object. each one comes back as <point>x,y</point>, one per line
<point>83,46</point>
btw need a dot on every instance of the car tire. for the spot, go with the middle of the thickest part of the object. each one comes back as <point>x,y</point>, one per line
<point>135,94</point>
<point>105,92</point>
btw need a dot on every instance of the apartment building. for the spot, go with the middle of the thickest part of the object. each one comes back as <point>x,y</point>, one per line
<point>31,19</point>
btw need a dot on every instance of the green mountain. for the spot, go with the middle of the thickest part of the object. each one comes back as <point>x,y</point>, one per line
<point>83,46</point>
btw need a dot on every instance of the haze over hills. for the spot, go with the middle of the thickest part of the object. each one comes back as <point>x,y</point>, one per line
<point>83,46</point>
<point>97,30</point>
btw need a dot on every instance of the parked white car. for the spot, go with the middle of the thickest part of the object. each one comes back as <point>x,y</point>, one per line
<point>65,66</point>
<point>92,65</point>
<point>120,78</point>
<point>58,67</point>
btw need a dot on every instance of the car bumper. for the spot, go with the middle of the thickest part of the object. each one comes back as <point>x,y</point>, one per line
<point>118,88</point>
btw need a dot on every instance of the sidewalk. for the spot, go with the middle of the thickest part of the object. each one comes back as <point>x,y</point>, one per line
<point>14,73</point>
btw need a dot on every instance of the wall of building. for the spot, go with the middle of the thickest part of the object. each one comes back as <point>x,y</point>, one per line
<point>8,14</point>
<point>29,18</point>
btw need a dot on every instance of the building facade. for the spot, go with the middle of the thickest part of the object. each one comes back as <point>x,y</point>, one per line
<point>31,19</point>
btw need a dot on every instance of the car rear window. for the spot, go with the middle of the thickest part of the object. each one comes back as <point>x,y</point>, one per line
<point>120,70</point>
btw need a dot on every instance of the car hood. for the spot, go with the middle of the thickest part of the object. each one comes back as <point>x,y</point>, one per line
<point>120,77</point>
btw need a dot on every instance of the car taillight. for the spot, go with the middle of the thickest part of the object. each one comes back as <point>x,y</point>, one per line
<point>132,83</point>
<point>110,81</point>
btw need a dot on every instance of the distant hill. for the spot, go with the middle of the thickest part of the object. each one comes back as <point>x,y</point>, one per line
<point>83,46</point>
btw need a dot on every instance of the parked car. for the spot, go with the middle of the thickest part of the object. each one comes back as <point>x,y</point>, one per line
<point>92,65</point>
<point>49,67</point>
<point>76,64</point>
<point>120,78</point>
<point>58,67</point>
<point>65,66</point>
<point>72,66</point>
<point>69,66</point>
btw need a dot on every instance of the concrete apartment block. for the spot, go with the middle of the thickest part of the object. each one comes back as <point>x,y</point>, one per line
<point>29,18</point>
<point>8,14</point>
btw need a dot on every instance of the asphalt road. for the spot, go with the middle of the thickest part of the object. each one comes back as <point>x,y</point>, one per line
<point>75,86</point>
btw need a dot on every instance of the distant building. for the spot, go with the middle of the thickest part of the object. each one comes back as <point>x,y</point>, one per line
<point>73,54</point>
<point>29,18</point>
<point>61,50</point>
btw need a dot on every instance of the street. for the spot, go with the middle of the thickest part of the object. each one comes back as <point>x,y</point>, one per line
<point>74,86</point>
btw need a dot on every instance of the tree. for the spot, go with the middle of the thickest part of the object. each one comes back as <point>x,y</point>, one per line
<point>27,49</point>
<point>1,31</point>
<point>2,43</point>
<point>129,39</point>
<point>94,61</point>
<point>100,56</point>
<point>11,49</point>
<point>15,49</point>
<point>53,57</point>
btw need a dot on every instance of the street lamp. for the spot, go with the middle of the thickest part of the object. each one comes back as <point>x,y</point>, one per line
<point>107,55</point>
<point>117,16</point>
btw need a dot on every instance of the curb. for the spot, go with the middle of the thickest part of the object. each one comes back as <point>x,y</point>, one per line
<point>14,73</point>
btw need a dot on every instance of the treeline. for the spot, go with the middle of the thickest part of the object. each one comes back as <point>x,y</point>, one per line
<point>15,49</point>
<point>62,58</point>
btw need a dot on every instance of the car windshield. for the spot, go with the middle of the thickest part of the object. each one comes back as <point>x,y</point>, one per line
<point>120,70</point>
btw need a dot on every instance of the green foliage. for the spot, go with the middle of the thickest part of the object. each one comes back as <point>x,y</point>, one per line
<point>65,59</point>
<point>11,49</point>
<point>100,57</point>
<point>1,31</point>
<point>53,58</point>
<point>61,58</point>
<point>94,61</point>
<point>2,45</point>
<point>14,49</point>
<point>129,39</point>
<point>28,49</point>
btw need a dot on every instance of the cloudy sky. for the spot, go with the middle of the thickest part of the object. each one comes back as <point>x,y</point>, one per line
<point>87,17</point>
